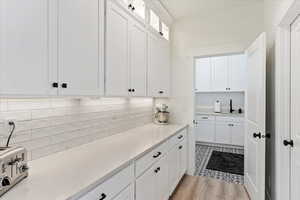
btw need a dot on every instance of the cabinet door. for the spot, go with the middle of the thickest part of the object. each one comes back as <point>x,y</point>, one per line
<point>138,59</point>
<point>162,183</point>
<point>237,134</point>
<point>237,72</point>
<point>220,73</point>
<point>24,48</point>
<point>159,67</point>
<point>79,61</point>
<point>139,8</point>
<point>173,160</point>
<point>223,132</point>
<point>182,148</point>
<point>117,48</point>
<point>127,194</point>
<point>145,185</point>
<point>203,75</point>
<point>205,131</point>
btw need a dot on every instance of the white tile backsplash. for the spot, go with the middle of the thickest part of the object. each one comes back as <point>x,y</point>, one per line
<point>207,99</point>
<point>46,126</point>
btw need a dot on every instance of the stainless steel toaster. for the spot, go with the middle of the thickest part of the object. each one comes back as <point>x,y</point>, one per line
<point>13,167</point>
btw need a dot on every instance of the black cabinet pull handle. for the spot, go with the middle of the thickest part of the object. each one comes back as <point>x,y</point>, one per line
<point>129,90</point>
<point>180,136</point>
<point>257,135</point>
<point>64,85</point>
<point>287,143</point>
<point>133,90</point>
<point>103,196</point>
<point>180,147</point>
<point>55,85</point>
<point>161,92</point>
<point>157,155</point>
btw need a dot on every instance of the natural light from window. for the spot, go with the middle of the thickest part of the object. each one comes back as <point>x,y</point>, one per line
<point>154,20</point>
<point>165,30</point>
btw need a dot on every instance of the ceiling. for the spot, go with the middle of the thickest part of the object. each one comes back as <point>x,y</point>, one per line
<point>185,8</point>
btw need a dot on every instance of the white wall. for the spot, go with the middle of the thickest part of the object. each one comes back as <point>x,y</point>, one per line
<point>273,12</point>
<point>217,31</point>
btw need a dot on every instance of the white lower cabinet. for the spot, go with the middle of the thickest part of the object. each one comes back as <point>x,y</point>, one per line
<point>127,194</point>
<point>154,179</point>
<point>221,130</point>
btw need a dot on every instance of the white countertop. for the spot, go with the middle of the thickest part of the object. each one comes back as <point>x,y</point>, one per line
<point>221,114</point>
<point>62,175</point>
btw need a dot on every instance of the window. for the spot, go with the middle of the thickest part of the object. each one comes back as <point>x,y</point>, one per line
<point>154,20</point>
<point>139,8</point>
<point>165,31</point>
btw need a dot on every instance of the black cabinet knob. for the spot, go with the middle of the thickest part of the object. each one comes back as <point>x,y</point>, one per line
<point>257,135</point>
<point>133,8</point>
<point>130,6</point>
<point>161,92</point>
<point>55,85</point>
<point>133,90</point>
<point>180,147</point>
<point>64,85</point>
<point>129,90</point>
<point>288,143</point>
<point>103,196</point>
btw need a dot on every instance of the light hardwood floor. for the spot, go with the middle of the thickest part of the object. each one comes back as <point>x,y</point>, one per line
<point>205,188</point>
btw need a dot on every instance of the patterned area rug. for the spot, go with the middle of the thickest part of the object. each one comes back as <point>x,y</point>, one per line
<point>203,154</point>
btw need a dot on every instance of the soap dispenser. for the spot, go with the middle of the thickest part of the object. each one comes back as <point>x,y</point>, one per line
<point>217,107</point>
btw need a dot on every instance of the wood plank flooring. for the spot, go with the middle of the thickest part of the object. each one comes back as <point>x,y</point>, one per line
<point>205,188</point>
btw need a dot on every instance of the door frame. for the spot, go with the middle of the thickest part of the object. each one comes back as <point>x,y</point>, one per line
<point>282,101</point>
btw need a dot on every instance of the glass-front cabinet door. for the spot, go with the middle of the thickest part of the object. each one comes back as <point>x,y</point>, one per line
<point>139,8</point>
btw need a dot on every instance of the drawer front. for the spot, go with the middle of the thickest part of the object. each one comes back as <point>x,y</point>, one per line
<point>148,159</point>
<point>178,138</point>
<point>230,119</point>
<point>127,194</point>
<point>111,187</point>
<point>205,118</point>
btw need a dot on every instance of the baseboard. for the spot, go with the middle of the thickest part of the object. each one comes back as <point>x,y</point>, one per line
<point>220,145</point>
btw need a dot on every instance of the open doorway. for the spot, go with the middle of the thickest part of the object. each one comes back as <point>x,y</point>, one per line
<point>220,85</point>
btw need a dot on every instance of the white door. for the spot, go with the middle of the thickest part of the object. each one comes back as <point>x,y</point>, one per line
<point>182,148</point>
<point>255,119</point>
<point>236,72</point>
<point>295,110</point>
<point>173,160</point>
<point>117,50</point>
<point>237,134</point>
<point>220,73</point>
<point>24,47</point>
<point>79,60</point>
<point>158,66</point>
<point>138,60</point>
<point>162,183</point>
<point>223,132</point>
<point>203,74</point>
<point>205,131</point>
<point>145,185</point>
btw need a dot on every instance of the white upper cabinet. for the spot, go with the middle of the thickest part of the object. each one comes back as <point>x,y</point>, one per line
<point>203,75</point>
<point>138,60</point>
<point>220,73</point>
<point>126,54</point>
<point>237,72</point>
<point>117,47</point>
<point>24,48</point>
<point>79,59</point>
<point>158,67</point>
